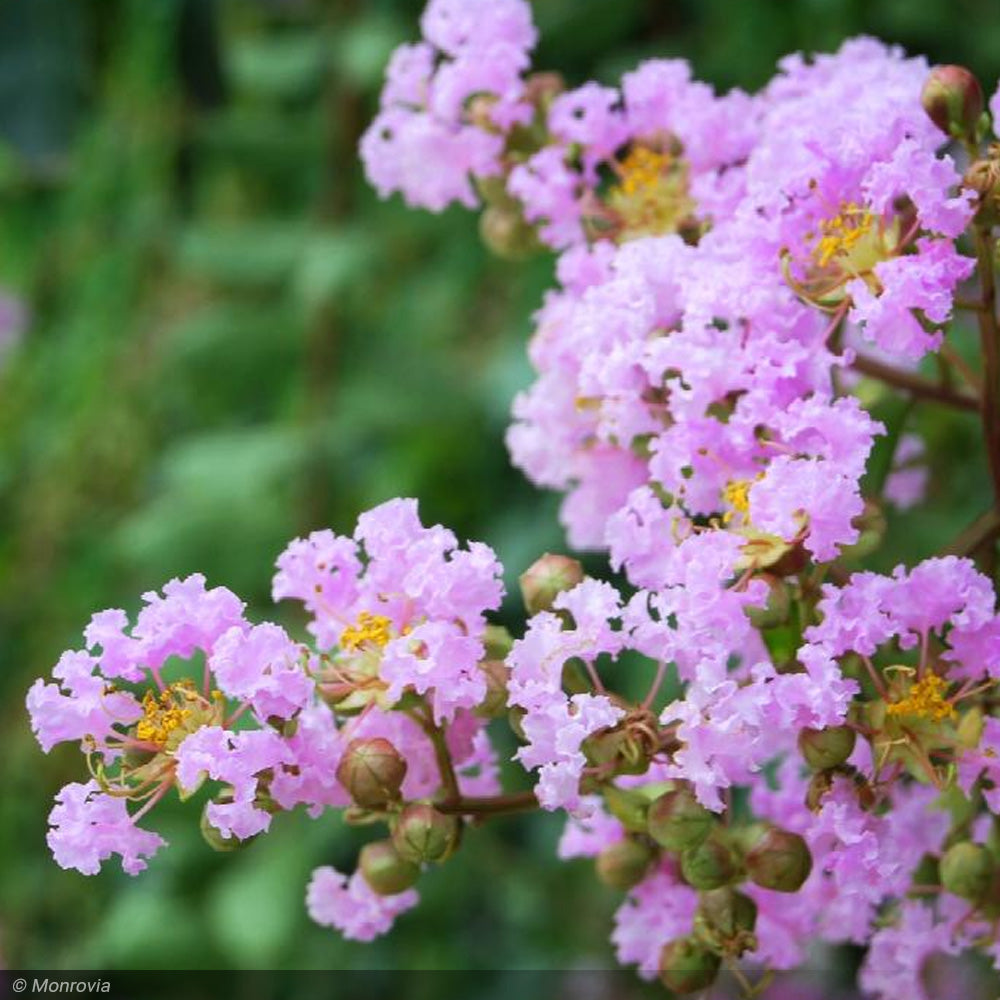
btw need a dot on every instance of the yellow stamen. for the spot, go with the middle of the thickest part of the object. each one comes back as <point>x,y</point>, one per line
<point>842,233</point>
<point>163,714</point>
<point>370,628</point>
<point>651,196</point>
<point>925,700</point>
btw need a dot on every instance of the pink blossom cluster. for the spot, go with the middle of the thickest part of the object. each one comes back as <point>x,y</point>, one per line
<point>815,754</point>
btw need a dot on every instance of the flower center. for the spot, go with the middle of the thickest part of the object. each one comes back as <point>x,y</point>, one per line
<point>375,629</point>
<point>651,196</point>
<point>926,700</point>
<point>736,493</point>
<point>167,712</point>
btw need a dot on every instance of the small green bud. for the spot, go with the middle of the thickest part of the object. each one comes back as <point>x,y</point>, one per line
<point>826,748</point>
<point>384,870</point>
<point>953,100</point>
<point>624,865</point>
<point>727,913</point>
<point>216,840</point>
<point>497,674</point>
<point>710,865</point>
<point>546,578</point>
<point>506,233</point>
<point>687,966</point>
<point>497,642</point>
<point>372,771</point>
<point>780,860</point>
<point>967,870</point>
<point>421,833</point>
<point>677,820</point>
<point>777,609</point>
<point>627,806</point>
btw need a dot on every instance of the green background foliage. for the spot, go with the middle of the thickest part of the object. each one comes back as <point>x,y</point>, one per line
<point>233,342</point>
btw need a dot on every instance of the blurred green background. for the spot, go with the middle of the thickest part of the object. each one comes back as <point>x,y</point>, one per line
<point>230,342</point>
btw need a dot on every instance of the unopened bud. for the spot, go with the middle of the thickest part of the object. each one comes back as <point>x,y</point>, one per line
<point>953,100</point>
<point>546,578</point>
<point>497,642</point>
<point>727,913</point>
<point>372,771</point>
<point>777,609</point>
<point>506,233</point>
<point>826,748</point>
<point>384,870</point>
<point>215,839</point>
<point>421,833</point>
<point>687,966</point>
<point>967,870</point>
<point>628,806</point>
<point>497,674</point>
<point>624,865</point>
<point>780,860</point>
<point>710,865</point>
<point>677,820</point>
<point>541,89</point>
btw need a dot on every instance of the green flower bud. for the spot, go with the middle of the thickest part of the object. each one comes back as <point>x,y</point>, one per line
<point>687,966</point>
<point>777,609</point>
<point>372,771</point>
<point>497,673</point>
<point>826,748</point>
<point>497,642</point>
<point>546,578</point>
<point>710,865</point>
<point>384,870</point>
<point>780,860</point>
<point>677,820</point>
<point>506,233</point>
<point>421,833</point>
<point>727,913</point>
<point>216,840</point>
<point>627,806</point>
<point>953,100</point>
<point>967,870</point>
<point>624,865</point>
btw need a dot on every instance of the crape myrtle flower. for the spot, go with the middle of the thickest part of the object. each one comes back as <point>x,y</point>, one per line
<point>403,605</point>
<point>145,733</point>
<point>849,189</point>
<point>447,100</point>
<point>662,154</point>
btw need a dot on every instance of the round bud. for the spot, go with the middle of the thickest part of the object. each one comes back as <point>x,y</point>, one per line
<point>953,100</point>
<point>967,870</point>
<point>215,839</point>
<point>546,578</point>
<point>728,913</point>
<point>372,771</point>
<point>777,609</point>
<point>677,820</point>
<point>497,642</point>
<point>506,233</point>
<point>384,870</point>
<point>624,865</point>
<point>710,865</point>
<point>826,748</point>
<point>421,833</point>
<point>494,704</point>
<point>780,860</point>
<point>687,966</point>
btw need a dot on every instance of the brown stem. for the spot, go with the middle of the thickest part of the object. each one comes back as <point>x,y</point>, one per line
<point>491,805</point>
<point>989,337</point>
<point>914,384</point>
<point>984,529</point>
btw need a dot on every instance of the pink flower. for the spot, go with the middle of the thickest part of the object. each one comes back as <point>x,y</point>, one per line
<point>350,906</point>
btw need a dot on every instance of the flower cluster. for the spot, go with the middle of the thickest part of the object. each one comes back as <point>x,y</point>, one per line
<point>814,756</point>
